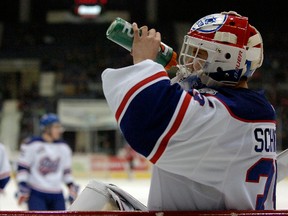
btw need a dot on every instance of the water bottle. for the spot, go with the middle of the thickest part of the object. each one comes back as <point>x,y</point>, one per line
<point>121,32</point>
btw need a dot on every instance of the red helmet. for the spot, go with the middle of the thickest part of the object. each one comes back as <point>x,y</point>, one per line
<point>233,48</point>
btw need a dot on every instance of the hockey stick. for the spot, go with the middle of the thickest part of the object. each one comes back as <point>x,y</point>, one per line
<point>282,165</point>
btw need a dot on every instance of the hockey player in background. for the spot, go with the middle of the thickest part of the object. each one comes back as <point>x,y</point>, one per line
<point>212,140</point>
<point>44,164</point>
<point>5,168</point>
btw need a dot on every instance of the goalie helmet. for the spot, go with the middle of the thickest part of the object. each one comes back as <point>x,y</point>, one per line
<point>221,48</point>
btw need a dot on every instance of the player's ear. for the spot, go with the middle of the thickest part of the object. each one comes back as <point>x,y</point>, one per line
<point>46,129</point>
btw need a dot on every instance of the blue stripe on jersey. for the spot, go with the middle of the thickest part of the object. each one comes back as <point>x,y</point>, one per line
<point>3,182</point>
<point>32,139</point>
<point>67,171</point>
<point>149,114</point>
<point>247,104</point>
<point>22,168</point>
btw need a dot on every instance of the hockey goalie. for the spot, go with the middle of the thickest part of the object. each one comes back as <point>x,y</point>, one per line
<point>210,138</point>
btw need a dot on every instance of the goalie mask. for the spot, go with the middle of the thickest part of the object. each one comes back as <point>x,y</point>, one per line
<point>218,50</point>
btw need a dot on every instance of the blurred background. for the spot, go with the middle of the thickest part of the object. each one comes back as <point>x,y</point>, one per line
<point>52,54</point>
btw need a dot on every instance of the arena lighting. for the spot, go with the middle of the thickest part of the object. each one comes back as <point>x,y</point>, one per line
<point>85,10</point>
<point>89,8</point>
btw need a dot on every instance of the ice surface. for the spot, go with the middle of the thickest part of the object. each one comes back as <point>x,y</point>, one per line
<point>139,188</point>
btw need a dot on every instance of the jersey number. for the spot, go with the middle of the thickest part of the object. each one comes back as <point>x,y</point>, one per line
<point>262,168</point>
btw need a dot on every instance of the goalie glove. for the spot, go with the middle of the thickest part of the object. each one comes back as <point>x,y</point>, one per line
<point>73,192</point>
<point>23,193</point>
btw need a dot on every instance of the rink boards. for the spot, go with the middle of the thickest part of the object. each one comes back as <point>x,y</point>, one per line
<point>152,213</point>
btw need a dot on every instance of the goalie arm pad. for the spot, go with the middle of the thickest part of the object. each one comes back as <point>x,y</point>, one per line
<point>124,200</point>
<point>98,196</point>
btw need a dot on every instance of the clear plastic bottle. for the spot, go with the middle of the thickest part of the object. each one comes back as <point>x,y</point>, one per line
<point>120,31</point>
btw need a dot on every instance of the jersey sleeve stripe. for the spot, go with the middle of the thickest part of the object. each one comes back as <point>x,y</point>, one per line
<point>67,171</point>
<point>134,89</point>
<point>178,120</point>
<point>4,175</point>
<point>3,182</point>
<point>23,166</point>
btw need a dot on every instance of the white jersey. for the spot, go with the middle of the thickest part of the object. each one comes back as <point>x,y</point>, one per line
<point>45,166</point>
<point>5,168</point>
<point>212,149</point>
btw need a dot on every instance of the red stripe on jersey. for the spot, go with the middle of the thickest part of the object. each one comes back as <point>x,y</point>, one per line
<point>4,175</point>
<point>173,129</point>
<point>134,89</point>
